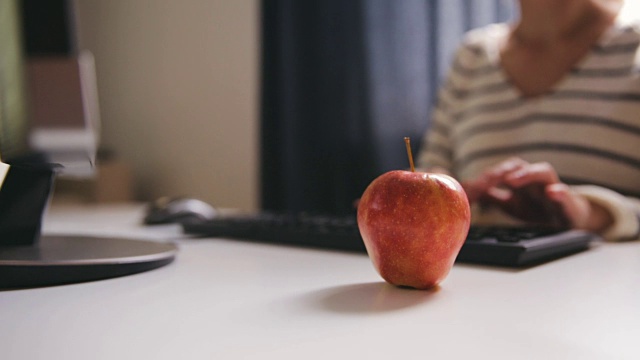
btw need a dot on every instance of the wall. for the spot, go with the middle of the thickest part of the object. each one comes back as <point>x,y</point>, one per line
<point>178,87</point>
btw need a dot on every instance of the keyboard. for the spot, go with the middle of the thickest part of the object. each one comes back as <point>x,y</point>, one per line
<point>499,246</point>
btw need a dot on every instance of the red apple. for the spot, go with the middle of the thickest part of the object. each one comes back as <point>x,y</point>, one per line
<point>413,225</point>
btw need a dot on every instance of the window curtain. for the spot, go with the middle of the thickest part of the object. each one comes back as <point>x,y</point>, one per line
<point>343,82</point>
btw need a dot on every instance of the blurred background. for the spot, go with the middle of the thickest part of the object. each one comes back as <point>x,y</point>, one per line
<point>178,89</point>
<point>275,104</point>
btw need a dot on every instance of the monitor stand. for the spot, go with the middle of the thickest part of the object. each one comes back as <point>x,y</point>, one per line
<point>28,259</point>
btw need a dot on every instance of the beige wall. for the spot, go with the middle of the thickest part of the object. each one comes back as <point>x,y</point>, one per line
<point>178,87</point>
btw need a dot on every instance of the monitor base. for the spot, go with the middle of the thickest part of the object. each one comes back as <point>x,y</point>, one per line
<point>57,260</point>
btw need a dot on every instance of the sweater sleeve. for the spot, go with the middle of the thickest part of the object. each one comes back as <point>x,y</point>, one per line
<point>625,211</point>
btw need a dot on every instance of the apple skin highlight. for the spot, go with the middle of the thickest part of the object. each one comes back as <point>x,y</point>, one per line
<point>413,225</point>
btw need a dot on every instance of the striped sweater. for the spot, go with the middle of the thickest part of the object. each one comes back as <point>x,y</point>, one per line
<point>587,126</point>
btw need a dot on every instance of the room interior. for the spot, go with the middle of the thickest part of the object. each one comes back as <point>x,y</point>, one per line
<point>180,92</point>
<point>178,88</point>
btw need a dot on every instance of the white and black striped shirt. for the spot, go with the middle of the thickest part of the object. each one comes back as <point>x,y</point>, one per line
<point>587,126</point>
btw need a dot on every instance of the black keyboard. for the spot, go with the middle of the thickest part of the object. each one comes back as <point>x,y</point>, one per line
<point>502,246</point>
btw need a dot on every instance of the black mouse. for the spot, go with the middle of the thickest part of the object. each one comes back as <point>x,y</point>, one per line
<point>167,210</point>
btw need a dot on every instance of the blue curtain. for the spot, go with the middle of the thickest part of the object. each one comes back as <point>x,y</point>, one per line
<point>343,82</point>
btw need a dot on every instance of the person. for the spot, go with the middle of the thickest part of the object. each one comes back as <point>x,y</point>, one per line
<point>540,119</point>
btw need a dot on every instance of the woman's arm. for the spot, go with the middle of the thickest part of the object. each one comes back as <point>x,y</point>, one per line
<point>533,192</point>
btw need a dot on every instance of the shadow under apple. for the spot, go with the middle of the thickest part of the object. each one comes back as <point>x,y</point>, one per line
<point>369,298</point>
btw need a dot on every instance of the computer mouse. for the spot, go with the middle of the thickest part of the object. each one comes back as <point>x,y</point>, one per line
<point>168,210</point>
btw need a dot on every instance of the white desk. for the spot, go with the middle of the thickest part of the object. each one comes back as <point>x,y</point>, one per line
<point>226,299</point>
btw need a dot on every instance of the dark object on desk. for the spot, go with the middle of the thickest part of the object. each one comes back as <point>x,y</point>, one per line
<point>512,247</point>
<point>28,259</point>
<point>522,246</point>
<point>24,194</point>
<point>340,233</point>
<point>167,210</point>
<point>67,259</point>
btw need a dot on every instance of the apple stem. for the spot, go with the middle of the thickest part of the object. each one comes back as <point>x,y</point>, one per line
<point>407,142</point>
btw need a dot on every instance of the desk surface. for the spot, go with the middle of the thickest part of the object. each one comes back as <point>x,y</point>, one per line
<point>225,299</point>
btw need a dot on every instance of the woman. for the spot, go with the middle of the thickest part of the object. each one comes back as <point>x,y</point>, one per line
<point>540,119</point>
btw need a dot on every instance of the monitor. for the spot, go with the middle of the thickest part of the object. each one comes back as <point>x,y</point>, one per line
<point>28,258</point>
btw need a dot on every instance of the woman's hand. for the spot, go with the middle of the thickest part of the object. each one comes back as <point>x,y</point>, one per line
<point>533,192</point>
